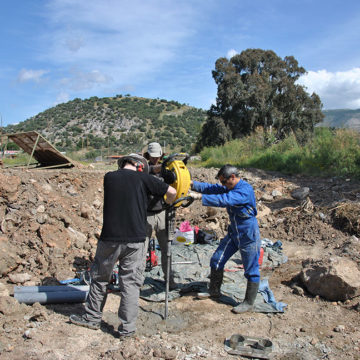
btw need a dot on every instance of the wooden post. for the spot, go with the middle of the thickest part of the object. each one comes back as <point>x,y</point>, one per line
<point>33,150</point>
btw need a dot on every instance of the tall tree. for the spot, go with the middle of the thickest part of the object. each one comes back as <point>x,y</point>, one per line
<point>214,133</point>
<point>258,89</point>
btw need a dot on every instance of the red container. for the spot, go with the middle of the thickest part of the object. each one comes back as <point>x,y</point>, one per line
<point>261,257</point>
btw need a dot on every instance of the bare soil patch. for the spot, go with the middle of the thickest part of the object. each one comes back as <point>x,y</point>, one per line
<point>50,221</point>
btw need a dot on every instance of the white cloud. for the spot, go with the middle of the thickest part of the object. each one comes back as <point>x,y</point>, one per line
<point>62,97</point>
<point>125,41</point>
<point>231,53</point>
<point>30,75</point>
<point>74,43</point>
<point>336,89</point>
<point>83,80</point>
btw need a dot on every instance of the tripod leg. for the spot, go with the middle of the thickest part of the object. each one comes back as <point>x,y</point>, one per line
<point>170,227</point>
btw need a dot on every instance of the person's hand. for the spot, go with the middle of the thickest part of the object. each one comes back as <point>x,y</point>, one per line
<point>195,195</point>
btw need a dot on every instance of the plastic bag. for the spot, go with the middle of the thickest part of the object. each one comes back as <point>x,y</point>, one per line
<point>184,237</point>
<point>185,226</point>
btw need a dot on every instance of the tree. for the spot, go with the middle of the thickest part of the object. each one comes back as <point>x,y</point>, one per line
<point>258,89</point>
<point>213,133</point>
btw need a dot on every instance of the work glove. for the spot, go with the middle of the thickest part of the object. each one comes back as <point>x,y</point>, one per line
<point>195,195</point>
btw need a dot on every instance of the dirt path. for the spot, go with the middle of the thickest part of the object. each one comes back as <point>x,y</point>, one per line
<point>37,208</point>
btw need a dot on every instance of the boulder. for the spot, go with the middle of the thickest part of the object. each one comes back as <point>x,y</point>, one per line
<point>336,279</point>
<point>97,204</point>
<point>276,193</point>
<point>86,211</point>
<point>19,278</point>
<point>78,238</point>
<point>8,305</point>
<point>266,197</point>
<point>8,256</point>
<point>53,236</point>
<point>300,193</point>
<point>40,209</point>
<point>263,211</point>
<point>44,189</point>
<point>9,186</point>
<point>65,219</point>
<point>4,290</point>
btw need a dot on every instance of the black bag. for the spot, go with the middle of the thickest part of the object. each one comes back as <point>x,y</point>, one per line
<point>205,237</point>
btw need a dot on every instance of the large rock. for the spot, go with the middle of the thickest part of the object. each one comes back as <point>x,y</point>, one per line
<point>78,238</point>
<point>53,236</point>
<point>19,278</point>
<point>9,186</point>
<point>86,211</point>
<point>334,279</point>
<point>9,306</point>
<point>8,256</point>
<point>300,193</point>
<point>263,211</point>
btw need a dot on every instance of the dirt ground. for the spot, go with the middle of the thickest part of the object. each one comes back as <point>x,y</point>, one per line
<point>50,221</point>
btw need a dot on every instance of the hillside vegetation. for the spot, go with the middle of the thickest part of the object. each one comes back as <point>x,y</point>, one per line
<point>123,124</point>
<point>120,123</point>
<point>329,152</point>
<point>342,118</point>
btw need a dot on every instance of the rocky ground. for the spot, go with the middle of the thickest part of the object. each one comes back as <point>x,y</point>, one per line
<point>50,221</point>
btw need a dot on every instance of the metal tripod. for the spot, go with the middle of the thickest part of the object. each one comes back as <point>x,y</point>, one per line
<point>170,227</point>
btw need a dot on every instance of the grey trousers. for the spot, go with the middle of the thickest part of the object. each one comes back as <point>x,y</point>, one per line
<point>131,277</point>
<point>157,223</point>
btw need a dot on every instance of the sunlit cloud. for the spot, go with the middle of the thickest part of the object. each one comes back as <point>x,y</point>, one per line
<point>126,41</point>
<point>231,53</point>
<point>336,89</point>
<point>62,97</point>
<point>31,75</point>
<point>84,80</point>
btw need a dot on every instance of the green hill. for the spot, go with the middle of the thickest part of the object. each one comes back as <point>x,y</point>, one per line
<point>342,118</point>
<point>125,123</point>
<point>120,123</point>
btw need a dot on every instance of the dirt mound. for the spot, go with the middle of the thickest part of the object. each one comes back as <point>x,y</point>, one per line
<point>347,218</point>
<point>50,221</point>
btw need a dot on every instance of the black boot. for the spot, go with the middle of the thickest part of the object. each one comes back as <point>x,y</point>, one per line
<point>248,303</point>
<point>216,278</point>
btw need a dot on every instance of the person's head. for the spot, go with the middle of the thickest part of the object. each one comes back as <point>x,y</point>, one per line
<point>154,153</point>
<point>134,162</point>
<point>229,176</point>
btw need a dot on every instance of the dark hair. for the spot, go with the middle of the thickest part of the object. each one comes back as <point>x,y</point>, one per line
<point>227,170</point>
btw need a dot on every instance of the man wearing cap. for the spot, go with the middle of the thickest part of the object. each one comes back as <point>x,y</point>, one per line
<point>238,197</point>
<point>156,216</point>
<point>122,240</point>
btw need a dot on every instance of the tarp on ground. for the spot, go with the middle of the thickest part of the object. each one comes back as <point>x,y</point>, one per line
<point>193,277</point>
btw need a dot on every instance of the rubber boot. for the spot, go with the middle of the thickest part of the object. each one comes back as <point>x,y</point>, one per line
<point>248,303</point>
<point>216,278</point>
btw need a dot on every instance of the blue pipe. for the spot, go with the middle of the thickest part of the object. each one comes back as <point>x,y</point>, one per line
<point>59,288</point>
<point>51,297</point>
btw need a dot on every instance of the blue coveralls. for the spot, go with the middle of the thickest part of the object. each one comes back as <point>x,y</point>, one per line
<point>243,231</point>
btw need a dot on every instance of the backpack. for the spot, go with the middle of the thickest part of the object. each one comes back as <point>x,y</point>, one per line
<point>205,237</point>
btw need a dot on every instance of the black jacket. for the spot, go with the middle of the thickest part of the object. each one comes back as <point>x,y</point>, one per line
<point>126,195</point>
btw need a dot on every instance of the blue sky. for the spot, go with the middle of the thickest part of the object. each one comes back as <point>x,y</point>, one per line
<point>53,51</point>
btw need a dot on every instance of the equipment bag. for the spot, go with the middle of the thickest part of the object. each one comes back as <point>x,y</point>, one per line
<point>206,237</point>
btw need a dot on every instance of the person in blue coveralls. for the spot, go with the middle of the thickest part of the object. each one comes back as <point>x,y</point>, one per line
<point>238,197</point>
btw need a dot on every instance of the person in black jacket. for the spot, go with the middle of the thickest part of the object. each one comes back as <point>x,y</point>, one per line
<point>122,240</point>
